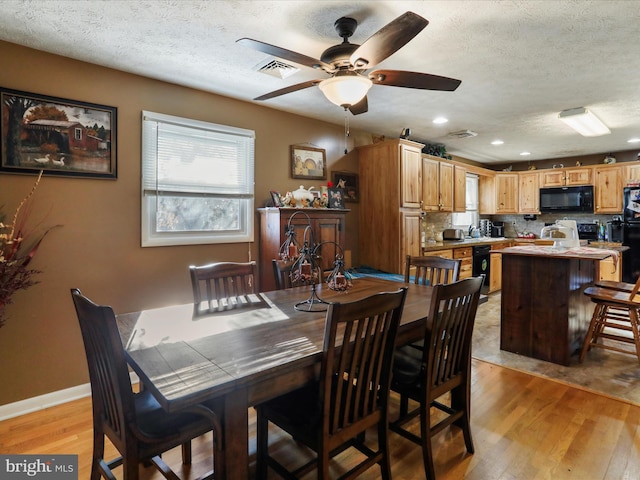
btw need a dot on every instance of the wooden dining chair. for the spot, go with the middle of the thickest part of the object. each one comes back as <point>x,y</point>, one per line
<point>222,286</point>
<point>134,423</point>
<point>443,366</point>
<point>331,414</point>
<point>614,318</point>
<point>431,269</point>
<point>282,273</point>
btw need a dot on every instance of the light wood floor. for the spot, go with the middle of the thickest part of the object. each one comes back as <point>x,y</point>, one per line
<point>524,427</point>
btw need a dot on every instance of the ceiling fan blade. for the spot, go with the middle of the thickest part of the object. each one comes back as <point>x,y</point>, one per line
<point>285,54</point>
<point>289,89</point>
<point>388,40</point>
<point>361,107</point>
<point>422,81</point>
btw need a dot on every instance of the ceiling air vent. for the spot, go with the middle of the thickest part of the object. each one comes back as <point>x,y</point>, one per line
<point>462,134</point>
<point>276,68</point>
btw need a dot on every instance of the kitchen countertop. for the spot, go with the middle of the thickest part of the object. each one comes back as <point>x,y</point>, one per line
<point>467,242</point>
<point>472,242</point>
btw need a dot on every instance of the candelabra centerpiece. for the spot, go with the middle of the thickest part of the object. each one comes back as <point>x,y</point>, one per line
<point>306,265</point>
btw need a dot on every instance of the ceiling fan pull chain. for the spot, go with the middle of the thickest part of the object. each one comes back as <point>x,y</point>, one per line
<point>346,130</point>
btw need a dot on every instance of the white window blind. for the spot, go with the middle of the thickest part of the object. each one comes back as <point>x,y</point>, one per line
<point>197,182</point>
<point>470,216</point>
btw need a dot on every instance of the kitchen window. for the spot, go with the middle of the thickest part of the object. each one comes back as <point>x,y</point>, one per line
<point>197,182</point>
<point>471,215</point>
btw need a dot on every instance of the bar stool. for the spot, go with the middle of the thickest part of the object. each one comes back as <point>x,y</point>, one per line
<point>614,318</point>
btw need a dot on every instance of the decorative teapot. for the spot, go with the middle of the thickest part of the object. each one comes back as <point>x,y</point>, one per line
<point>303,194</point>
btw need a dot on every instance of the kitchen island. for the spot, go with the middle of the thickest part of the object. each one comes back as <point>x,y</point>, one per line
<point>544,313</point>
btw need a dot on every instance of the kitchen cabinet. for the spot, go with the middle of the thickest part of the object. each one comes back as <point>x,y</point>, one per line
<point>529,192</point>
<point>390,181</point>
<point>440,253</point>
<point>611,269</point>
<point>608,189</point>
<point>506,193</point>
<point>631,172</point>
<point>560,177</point>
<point>437,185</point>
<point>459,189</point>
<point>466,255</point>
<point>495,271</point>
<point>327,224</point>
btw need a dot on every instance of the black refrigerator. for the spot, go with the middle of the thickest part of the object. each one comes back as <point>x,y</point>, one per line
<point>631,234</point>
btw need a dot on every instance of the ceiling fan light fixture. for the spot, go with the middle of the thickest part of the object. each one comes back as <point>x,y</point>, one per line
<point>584,122</point>
<point>345,90</point>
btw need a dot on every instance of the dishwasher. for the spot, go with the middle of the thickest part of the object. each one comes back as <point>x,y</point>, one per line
<point>482,264</point>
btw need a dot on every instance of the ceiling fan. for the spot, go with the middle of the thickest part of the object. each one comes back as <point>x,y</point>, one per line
<point>347,63</point>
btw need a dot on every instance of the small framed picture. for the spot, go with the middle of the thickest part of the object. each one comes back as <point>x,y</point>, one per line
<point>349,182</point>
<point>275,199</point>
<point>308,163</point>
<point>336,198</point>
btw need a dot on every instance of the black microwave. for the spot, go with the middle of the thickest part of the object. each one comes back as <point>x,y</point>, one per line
<point>566,199</point>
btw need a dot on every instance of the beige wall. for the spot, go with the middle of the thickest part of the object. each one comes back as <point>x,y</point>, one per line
<point>97,249</point>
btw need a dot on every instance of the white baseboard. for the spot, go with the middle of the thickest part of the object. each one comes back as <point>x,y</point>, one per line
<point>47,400</point>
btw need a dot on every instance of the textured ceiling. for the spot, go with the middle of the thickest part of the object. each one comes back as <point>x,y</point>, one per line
<point>520,62</point>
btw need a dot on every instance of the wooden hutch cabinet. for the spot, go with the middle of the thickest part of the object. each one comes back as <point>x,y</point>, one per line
<point>328,225</point>
<point>390,203</point>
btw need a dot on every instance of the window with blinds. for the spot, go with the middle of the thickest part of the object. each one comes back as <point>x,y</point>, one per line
<point>197,182</point>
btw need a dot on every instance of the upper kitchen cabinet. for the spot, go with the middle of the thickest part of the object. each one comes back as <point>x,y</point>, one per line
<point>411,175</point>
<point>459,189</point>
<point>529,192</point>
<point>608,189</point>
<point>631,171</point>
<point>437,185</point>
<point>506,193</point>
<point>560,177</point>
<point>390,201</point>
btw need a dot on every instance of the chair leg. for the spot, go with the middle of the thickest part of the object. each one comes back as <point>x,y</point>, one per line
<point>404,405</point>
<point>425,431</point>
<point>262,444</point>
<point>383,446</point>
<point>633,318</point>
<point>186,453</point>
<point>461,401</point>
<point>591,332</point>
<point>98,454</point>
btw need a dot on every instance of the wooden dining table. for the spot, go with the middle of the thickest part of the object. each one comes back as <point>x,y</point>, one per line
<point>247,355</point>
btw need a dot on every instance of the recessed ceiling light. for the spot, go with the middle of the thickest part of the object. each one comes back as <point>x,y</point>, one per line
<point>524,154</point>
<point>440,120</point>
<point>497,142</point>
<point>633,140</point>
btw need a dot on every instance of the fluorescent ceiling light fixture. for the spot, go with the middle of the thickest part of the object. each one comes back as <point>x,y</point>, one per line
<point>440,120</point>
<point>497,142</point>
<point>345,89</point>
<point>524,154</point>
<point>633,140</point>
<point>584,122</point>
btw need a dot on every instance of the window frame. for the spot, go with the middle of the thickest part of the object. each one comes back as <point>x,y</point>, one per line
<point>150,235</point>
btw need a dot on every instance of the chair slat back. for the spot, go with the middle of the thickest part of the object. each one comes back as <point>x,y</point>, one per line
<point>221,286</point>
<point>447,352</point>
<point>432,269</point>
<point>356,367</point>
<point>112,395</point>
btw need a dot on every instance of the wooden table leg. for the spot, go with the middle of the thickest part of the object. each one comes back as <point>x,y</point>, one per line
<point>236,435</point>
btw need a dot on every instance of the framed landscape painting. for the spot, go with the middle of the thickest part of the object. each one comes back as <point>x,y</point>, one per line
<point>56,135</point>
